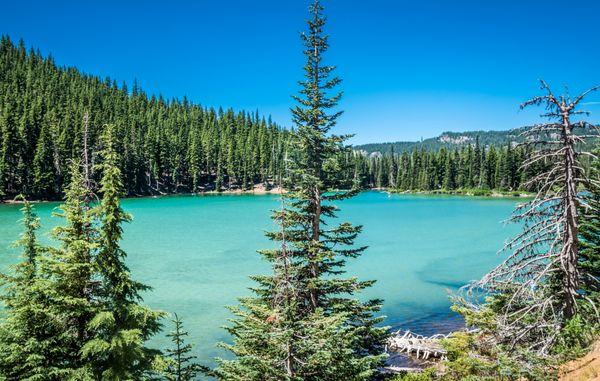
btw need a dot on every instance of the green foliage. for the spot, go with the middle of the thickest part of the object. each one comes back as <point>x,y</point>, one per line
<point>181,365</point>
<point>576,337</point>
<point>121,325</point>
<point>463,363</point>
<point>483,318</point>
<point>304,321</point>
<point>428,374</point>
<point>164,146</point>
<point>471,170</point>
<point>29,333</point>
<point>589,240</point>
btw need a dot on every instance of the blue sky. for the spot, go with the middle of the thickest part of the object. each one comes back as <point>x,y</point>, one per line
<point>411,69</point>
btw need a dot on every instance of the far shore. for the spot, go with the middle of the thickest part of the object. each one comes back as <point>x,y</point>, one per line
<point>464,192</point>
<point>260,189</point>
<point>257,189</point>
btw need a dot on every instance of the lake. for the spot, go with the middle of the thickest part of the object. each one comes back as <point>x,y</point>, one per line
<point>198,251</point>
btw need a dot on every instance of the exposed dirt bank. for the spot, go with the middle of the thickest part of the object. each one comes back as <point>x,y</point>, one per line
<point>586,368</point>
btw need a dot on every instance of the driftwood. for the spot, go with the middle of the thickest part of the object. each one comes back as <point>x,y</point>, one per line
<point>414,345</point>
<point>401,369</point>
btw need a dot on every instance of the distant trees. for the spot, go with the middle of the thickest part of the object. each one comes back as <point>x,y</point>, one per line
<point>469,167</point>
<point>303,322</point>
<point>164,146</point>
<point>177,146</point>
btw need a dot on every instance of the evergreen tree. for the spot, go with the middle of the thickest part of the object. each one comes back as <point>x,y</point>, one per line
<point>121,325</point>
<point>30,348</point>
<point>9,151</point>
<point>303,323</point>
<point>182,367</point>
<point>589,253</point>
<point>43,166</point>
<point>450,172</point>
<point>71,271</point>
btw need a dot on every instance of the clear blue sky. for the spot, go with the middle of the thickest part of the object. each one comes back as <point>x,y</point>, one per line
<point>411,69</point>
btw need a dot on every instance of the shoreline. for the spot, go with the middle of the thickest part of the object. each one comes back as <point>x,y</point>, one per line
<point>463,192</point>
<point>260,190</point>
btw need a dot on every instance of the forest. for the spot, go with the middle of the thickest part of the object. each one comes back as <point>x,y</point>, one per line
<point>73,310</point>
<point>164,146</point>
<point>175,146</point>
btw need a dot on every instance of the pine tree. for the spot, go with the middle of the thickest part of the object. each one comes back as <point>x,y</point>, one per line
<point>450,172</point>
<point>182,367</point>
<point>9,149</point>
<point>43,165</point>
<point>302,323</point>
<point>589,253</point>
<point>122,325</point>
<point>71,271</point>
<point>323,252</point>
<point>29,335</point>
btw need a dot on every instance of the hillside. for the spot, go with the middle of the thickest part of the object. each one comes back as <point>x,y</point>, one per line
<point>446,139</point>
<point>165,146</point>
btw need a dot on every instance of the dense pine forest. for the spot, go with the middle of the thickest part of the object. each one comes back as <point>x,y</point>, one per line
<point>175,146</point>
<point>471,167</point>
<point>164,146</point>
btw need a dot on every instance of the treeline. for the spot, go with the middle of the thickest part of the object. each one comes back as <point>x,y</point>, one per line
<point>469,167</point>
<point>177,146</point>
<point>164,146</point>
<point>449,140</point>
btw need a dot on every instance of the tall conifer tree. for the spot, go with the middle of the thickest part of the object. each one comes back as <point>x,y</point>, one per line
<point>122,325</point>
<point>71,271</point>
<point>30,348</point>
<point>304,322</point>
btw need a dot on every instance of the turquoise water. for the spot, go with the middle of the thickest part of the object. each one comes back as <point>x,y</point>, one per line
<point>197,252</point>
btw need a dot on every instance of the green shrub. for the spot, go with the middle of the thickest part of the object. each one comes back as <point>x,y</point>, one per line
<point>575,338</point>
<point>427,375</point>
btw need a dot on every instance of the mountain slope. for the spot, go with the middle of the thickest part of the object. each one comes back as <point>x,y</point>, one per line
<point>447,139</point>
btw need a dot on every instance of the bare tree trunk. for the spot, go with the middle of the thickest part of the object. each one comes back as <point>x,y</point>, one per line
<point>316,237</point>
<point>570,244</point>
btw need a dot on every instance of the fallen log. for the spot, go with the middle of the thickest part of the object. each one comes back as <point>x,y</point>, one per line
<point>421,347</point>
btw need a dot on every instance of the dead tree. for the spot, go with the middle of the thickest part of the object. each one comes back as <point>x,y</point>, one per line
<point>539,281</point>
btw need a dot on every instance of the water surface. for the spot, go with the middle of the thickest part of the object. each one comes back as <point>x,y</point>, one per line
<point>197,252</point>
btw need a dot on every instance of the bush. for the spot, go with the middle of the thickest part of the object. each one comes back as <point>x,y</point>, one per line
<point>575,338</point>
<point>427,375</point>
